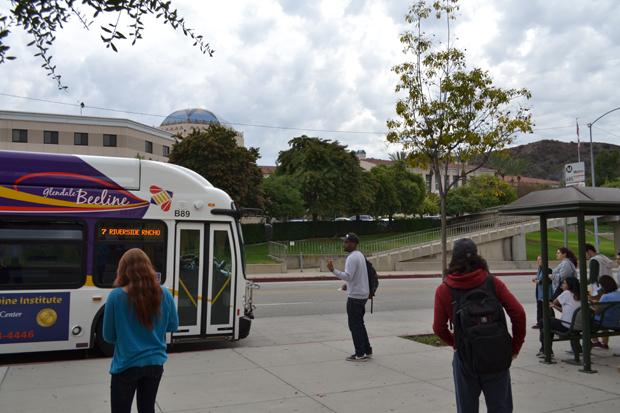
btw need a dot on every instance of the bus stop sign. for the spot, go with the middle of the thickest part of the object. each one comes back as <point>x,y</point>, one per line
<point>575,174</point>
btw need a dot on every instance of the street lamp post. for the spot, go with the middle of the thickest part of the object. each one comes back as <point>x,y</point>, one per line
<point>592,167</point>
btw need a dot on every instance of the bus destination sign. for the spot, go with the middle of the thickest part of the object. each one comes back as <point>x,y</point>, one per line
<point>128,231</point>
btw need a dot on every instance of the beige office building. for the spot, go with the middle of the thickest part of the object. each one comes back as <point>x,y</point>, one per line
<point>82,135</point>
<point>432,183</point>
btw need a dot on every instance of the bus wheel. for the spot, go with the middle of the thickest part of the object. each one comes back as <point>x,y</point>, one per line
<point>103,346</point>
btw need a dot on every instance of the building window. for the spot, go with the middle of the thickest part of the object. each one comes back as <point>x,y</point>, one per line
<point>20,135</point>
<point>165,150</point>
<point>109,140</point>
<point>148,146</point>
<point>50,137</point>
<point>80,138</point>
<point>437,182</point>
<point>429,182</point>
<point>455,180</point>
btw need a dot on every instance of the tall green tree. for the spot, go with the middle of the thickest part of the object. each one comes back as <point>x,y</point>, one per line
<point>362,200</point>
<point>282,197</point>
<point>386,197</point>
<point>480,192</point>
<point>612,184</point>
<point>607,166</point>
<point>214,154</point>
<point>448,112</point>
<point>329,175</point>
<point>398,189</point>
<point>410,187</point>
<point>41,19</point>
<point>430,205</point>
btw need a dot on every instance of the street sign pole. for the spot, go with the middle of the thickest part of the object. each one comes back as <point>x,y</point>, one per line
<point>593,185</point>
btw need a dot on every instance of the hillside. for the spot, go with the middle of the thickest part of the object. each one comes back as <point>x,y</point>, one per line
<point>545,159</point>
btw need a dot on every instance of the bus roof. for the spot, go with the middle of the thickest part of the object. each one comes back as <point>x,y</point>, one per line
<point>62,183</point>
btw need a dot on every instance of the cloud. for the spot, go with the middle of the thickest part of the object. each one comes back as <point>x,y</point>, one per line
<point>326,65</point>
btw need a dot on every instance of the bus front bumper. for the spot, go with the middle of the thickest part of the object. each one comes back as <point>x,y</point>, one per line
<point>245,323</point>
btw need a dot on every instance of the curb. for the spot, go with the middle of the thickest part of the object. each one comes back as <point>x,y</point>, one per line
<point>381,277</point>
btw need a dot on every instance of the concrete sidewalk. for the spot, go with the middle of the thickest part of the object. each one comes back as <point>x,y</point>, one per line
<point>296,364</point>
<point>316,275</point>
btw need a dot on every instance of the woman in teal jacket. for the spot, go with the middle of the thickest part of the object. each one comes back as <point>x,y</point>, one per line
<point>138,314</point>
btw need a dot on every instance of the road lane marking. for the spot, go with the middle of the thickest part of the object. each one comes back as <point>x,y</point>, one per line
<point>295,303</point>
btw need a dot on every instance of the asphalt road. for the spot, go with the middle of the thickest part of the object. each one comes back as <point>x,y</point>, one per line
<point>322,297</point>
<point>278,299</point>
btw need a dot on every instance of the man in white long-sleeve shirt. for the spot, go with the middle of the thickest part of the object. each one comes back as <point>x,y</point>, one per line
<point>356,276</point>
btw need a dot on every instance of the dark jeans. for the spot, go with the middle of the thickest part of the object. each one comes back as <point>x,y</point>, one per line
<point>356,309</point>
<point>557,326</point>
<point>497,389</point>
<point>144,380</point>
<point>539,310</point>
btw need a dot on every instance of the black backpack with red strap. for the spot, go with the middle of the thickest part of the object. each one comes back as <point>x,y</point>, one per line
<point>480,329</point>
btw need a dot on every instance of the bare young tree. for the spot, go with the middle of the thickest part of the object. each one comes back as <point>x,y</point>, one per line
<point>449,113</point>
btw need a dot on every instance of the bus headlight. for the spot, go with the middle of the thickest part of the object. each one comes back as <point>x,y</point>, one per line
<point>76,331</point>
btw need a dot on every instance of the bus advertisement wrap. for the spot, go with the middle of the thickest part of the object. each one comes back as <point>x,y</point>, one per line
<point>34,317</point>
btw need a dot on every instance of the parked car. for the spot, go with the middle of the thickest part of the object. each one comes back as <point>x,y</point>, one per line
<point>342,219</point>
<point>362,218</point>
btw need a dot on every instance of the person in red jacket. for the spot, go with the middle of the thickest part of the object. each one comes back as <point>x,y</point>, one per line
<point>468,270</point>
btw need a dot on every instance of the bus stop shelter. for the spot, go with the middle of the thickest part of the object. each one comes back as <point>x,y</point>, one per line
<point>566,203</point>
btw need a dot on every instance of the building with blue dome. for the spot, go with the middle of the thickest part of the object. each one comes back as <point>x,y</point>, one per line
<point>182,122</point>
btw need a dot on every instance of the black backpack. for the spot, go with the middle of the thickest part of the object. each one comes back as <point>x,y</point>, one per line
<point>373,283</point>
<point>480,330</point>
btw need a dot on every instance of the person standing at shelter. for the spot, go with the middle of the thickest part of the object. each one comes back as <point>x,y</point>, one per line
<point>538,280</point>
<point>565,269</point>
<point>599,265</point>
<point>138,314</point>
<point>356,276</point>
<point>618,269</point>
<point>468,280</point>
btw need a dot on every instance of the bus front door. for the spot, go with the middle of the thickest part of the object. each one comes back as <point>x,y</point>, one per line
<point>221,286</point>
<point>188,282</point>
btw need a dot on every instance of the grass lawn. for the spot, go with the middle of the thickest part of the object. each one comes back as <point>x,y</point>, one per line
<point>333,246</point>
<point>428,339</point>
<point>556,240</point>
<point>257,254</point>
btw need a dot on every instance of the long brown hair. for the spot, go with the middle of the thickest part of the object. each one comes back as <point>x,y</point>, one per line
<point>569,254</point>
<point>136,272</point>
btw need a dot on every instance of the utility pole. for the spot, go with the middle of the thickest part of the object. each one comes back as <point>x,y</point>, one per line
<point>596,242</point>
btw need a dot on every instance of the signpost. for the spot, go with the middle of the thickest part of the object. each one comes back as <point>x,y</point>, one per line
<point>574,175</point>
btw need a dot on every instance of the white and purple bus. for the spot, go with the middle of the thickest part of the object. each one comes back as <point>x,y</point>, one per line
<point>65,220</point>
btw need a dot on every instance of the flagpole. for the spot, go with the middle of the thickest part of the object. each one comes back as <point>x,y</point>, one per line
<point>578,141</point>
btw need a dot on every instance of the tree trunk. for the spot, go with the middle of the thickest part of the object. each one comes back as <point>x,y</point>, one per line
<point>444,235</point>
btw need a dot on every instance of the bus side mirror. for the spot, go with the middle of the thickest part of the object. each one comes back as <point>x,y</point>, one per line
<point>268,232</point>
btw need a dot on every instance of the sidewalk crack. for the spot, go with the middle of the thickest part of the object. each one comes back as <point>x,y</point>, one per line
<point>285,382</point>
<point>6,372</point>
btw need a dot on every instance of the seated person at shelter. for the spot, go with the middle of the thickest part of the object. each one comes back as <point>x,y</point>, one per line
<point>609,293</point>
<point>567,302</point>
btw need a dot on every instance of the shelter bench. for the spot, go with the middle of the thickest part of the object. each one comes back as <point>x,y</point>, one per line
<point>599,327</point>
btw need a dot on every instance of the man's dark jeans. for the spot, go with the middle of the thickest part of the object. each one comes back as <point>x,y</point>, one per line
<point>356,309</point>
<point>144,380</point>
<point>468,385</point>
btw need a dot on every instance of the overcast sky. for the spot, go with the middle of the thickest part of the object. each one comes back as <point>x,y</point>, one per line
<point>326,65</point>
